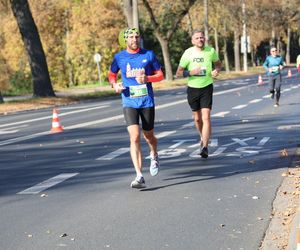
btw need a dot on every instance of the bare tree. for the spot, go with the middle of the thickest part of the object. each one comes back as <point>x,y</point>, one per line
<point>42,86</point>
<point>1,98</point>
<point>130,8</point>
<point>164,33</point>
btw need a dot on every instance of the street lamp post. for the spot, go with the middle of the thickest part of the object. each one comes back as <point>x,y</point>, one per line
<point>245,45</point>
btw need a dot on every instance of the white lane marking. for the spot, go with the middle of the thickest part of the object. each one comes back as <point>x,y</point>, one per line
<point>121,151</point>
<point>255,101</point>
<point>239,141</point>
<point>11,130</point>
<point>221,114</point>
<point>114,154</point>
<point>3,132</point>
<point>188,125</point>
<point>232,90</point>
<point>170,104</point>
<point>211,143</point>
<point>240,106</point>
<point>83,107</point>
<point>48,117</point>
<point>289,126</point>
<point>266,96</point>
<point>164,134</point>
<point>263,141</point>
<point>23,138</point>
<point>86,124</point>
<point>48,183</point>
<point>180,142</point>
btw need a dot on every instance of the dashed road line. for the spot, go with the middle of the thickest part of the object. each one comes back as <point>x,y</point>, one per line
<point>48,183</point>
<point>255,101</point>
<point>221,114</point>
<point>240,106</point>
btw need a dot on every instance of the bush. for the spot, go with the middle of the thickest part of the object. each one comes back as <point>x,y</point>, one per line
<point>20,83</point>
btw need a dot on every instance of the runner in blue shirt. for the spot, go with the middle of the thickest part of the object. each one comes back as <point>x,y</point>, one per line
<point>139,68</point>
<point>274,65</point>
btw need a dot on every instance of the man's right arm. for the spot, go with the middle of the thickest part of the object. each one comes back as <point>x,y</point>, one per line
<point>266,64</point>
<point>112,78</point>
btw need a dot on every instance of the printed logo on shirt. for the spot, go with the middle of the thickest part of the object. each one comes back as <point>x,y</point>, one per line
<point>198,60</point>
<point>134,72</point>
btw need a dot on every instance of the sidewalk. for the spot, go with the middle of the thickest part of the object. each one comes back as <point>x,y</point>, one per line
<point>283,230</point>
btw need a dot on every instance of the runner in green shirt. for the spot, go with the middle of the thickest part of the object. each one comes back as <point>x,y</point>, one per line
<point>196,64</point>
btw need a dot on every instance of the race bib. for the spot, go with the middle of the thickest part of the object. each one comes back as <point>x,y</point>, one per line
<point>202,72</point>
<point>138,90</point>
<point>275,69</point>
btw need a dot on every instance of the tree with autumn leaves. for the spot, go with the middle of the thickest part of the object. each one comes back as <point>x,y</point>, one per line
<point>72,31</point>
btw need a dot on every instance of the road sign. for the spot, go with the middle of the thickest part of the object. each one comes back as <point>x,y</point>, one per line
<point>97,58</point>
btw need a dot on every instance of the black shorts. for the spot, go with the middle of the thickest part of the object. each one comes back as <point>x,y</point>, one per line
<point>199,98</point>
<point>132,117</point>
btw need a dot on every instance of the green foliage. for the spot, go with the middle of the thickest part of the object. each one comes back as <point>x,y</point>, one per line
<point>176,46</point>
<point>20,83</point>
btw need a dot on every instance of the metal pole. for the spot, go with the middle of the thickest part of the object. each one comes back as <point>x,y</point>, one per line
<point>245,36</point>
<point>99,72</point>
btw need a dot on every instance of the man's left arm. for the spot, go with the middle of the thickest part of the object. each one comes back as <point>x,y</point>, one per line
<point>282,64</point>
<point>156,77</point>
<point>217,69</point>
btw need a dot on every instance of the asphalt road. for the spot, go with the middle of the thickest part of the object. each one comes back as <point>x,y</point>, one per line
<point>71,190</point>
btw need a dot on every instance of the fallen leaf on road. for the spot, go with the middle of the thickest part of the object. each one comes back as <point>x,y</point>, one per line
<point>252,162</point>
<point>284,153</point>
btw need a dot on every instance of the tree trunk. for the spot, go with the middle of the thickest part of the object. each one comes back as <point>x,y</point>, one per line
<point>135,14</point>
<point>205,6</point>
<point>216,41</point>
<point>287,56</point>
<point>128,12</point>
<point>1,98</point>
<point>237,63</point>
<point>166,55</point>
<point>226,61</point>
<point>40,75</point>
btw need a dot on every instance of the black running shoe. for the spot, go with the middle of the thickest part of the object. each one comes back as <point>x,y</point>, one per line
<point>204,152</point>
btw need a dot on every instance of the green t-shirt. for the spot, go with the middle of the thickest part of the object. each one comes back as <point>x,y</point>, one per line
<point>193,58</point>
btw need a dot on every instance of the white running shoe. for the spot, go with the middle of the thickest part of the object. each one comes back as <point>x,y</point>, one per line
<point>138,182</point>
<point>154,165</point>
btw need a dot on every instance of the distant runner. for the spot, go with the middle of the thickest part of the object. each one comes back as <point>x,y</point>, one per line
<point>274,65</point>
<point>196,64</point>
<point>139,68</point>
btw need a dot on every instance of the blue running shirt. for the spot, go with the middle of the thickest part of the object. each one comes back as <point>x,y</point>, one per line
<point>273,62</point>
<point>132,65</point>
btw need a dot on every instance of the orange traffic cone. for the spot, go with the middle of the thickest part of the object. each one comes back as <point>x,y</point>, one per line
<point>289,73</point>
<point>56,127</point>
<point>298,240</point>
<point>260,81</point>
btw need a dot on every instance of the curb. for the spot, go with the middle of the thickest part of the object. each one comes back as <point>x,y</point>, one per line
<point>294,237</point>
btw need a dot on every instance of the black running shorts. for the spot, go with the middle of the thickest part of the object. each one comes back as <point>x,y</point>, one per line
<point>199,98</point>
<point>132,117</point>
